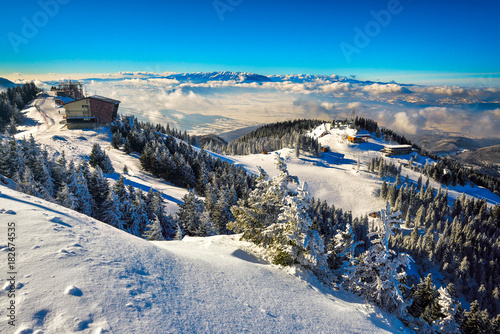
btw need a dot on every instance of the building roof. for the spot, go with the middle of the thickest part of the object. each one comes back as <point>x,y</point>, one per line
<point>74,101</point>
<point>102,98</point>
<point>397,146</point>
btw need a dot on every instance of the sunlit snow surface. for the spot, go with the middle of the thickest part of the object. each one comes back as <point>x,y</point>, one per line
<point>75,274</point>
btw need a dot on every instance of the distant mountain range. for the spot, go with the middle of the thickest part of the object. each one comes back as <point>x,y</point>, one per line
<point>5,83</point>
<point>239,77</point>
<point>219,76</point>
<point>197,77</point>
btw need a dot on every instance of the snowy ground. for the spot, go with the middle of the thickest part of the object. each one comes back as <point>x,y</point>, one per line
<point>75,274</point>
<point>48,128</point>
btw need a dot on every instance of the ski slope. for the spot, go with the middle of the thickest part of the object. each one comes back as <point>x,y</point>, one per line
<point>78,275</point>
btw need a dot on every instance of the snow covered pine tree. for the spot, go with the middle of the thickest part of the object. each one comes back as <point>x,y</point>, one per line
<point>377,273</point>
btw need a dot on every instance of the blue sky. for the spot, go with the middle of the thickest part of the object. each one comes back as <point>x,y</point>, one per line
<point>419,39</point>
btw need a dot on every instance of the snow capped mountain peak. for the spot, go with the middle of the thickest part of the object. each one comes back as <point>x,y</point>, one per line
<point>219,76</point>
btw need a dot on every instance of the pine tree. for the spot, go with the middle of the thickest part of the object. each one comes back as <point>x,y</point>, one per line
<point>119,189</point>
<point>472,321</point>
<point>378,273</point>
<point>114,215</point>
<point>28,184</point>
<point>221,213</point>
<point>447,323</point>
<point>342,251</point>
<point>202,180</point>
<point>263,205</point>
<point>84,200</point>
<point>117,140</point>
<point>99,190</point>
<point>384,191</point>
<point>190,214</point>
<point>99,158</point>
<point>206,226</point>
<point>424,298</point>
<point>66,198</point>
<point>408,218</point>
<point>153,231</point>
<point>420,217</point>
<point>139,217</point>
<point>291,240</point>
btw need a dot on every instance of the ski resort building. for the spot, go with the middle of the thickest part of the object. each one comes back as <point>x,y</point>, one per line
<point>88,112</point>
<point>358,138</point>
<point>390,150</point>
<point>71,89</point>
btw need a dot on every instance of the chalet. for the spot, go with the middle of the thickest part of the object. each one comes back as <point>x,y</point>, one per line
<point>88,112</point>
<point>358,138</point>
<point>390,150</point>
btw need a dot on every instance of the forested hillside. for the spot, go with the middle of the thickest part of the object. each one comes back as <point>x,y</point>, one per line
<point>272,137</point>
<point>446,171</point>
<point>14,100</point>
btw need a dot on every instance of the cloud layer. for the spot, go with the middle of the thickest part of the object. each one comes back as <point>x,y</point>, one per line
<point>227,104</point>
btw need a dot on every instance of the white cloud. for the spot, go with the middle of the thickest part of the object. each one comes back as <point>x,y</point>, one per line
<point>441,90</point>
<point>354,105</point>
<point>384,89</point>
<point>336,87</point>
<point>328,105</point>
<point>403,122</point>
<point>485,125</point>
<point>177,100</point>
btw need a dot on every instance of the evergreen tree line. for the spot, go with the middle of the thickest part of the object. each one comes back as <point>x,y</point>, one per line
<point>383,168</point>
<point>461,242</point>
<point>389,135</point>
<point>219,181</point>
<point>273,137</point>
<point>446,171</point>
<point>129,134</point>
<point>86,190</point>
<point>14,100</point>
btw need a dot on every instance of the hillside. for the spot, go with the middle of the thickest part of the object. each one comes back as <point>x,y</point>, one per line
<point>486,158</point>
<point>450,145</point>
<point>334,176</point>
<point>75,274</point>
<point>5,83</point>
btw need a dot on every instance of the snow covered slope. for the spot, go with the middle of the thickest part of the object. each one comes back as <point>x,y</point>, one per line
<point>48,129</point>
<point>334,176</point>
<point>75,274</point>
